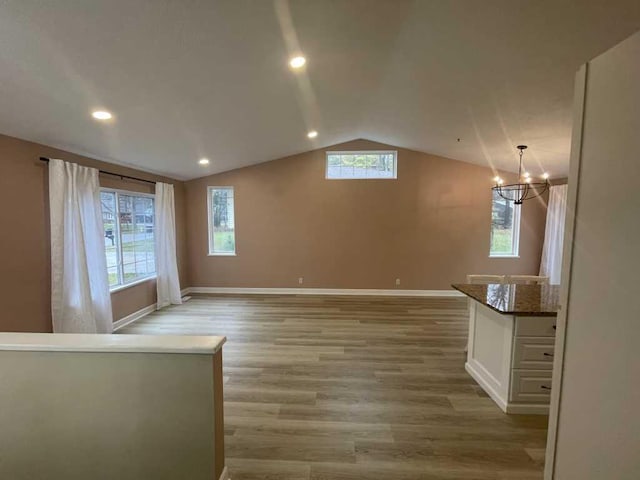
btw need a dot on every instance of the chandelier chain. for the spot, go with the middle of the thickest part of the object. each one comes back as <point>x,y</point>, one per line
<point>520,167</point>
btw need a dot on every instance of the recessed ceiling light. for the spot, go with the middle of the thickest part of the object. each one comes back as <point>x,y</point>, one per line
<point>312,134</point>
<point>297,62</point>
<point>203,161</point>
<point>101,115</point>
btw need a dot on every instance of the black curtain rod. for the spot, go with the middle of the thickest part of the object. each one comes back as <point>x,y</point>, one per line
<point>122,177</point>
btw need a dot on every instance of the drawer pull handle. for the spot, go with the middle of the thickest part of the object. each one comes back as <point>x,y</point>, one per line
<point>548,354</point>
<point>554,327</point>
<point>544,387</point>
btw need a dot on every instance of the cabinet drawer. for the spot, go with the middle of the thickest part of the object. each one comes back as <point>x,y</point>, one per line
<point>530,386</point>
<point>535,326</point>
<point>533,353</point>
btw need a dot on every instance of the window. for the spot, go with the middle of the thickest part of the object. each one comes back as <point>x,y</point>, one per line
<point>362,165</point>
<point>222,234</point>
<point>128,220</point>
<point>505,227</point>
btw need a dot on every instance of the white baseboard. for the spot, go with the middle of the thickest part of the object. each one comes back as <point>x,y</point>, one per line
<point>133,317</point>
<point>225,474</point>
<point>142,312</point>
<point>327,291</point>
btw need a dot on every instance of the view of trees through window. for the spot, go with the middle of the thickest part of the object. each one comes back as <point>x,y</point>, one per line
<point>505,227</point>
<point>222,239</point>
<point>128,235</point>
<point>361,165</point>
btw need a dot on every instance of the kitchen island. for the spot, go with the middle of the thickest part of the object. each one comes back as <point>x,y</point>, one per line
<point>511,343</point>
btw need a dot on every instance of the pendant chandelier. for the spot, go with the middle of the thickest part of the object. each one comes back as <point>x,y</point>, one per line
<point>525,189</point>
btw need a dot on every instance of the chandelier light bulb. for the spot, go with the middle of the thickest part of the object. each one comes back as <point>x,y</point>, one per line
<point>545,175</point>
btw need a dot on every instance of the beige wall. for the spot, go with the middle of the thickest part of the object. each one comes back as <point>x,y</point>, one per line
<point>24,238</point>
<point>430,227</point>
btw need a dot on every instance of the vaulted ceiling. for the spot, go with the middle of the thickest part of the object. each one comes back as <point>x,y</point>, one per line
<point>186,79</point>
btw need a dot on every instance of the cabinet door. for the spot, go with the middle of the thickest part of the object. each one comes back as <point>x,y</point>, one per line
<point>532,386</point>
<point>533,353</point>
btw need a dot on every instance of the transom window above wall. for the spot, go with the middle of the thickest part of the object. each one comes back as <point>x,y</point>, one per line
<point>365,164</point>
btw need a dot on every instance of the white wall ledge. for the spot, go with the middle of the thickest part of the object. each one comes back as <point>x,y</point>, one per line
<point>81,342</point>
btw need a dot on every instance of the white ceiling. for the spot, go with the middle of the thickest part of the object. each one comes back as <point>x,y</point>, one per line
<point>193,78</point>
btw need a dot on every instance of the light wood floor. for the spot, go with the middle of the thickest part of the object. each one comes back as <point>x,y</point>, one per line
<point>320,387</point>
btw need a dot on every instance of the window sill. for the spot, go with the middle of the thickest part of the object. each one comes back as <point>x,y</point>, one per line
<point>119,288</point>
<point>222,254</point>
<point>504,256</point>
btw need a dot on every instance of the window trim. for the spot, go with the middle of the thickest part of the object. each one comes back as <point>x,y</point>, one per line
<point>210,252</point>
<point>361,152</point>
<point>137,281</point>
<point>515,250</point>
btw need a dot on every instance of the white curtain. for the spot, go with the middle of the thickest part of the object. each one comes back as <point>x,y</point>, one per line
<point>80,298</point>
<point>551,264</point>
<point>168,282</point>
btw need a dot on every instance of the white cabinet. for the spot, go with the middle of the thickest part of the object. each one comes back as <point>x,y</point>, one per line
<point>511,357</point>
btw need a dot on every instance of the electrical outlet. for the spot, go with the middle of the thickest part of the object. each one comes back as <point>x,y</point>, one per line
<point>397,282</point>
<point>300,280</point>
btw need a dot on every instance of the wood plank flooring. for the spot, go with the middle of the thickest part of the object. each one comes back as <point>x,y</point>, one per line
<point>345,388</point>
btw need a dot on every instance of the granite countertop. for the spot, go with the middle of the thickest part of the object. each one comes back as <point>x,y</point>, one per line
<point>515,299</point>
<point>81,342</point>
